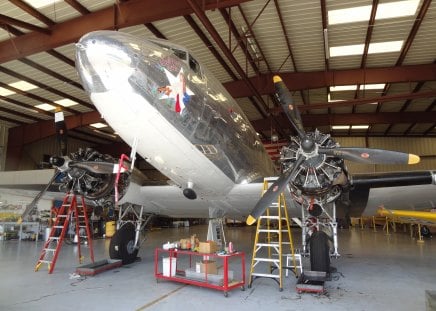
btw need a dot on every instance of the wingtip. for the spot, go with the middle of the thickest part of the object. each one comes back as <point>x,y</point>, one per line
<point>250,220</point>
<point>413,159</point>
<point>277,79</point>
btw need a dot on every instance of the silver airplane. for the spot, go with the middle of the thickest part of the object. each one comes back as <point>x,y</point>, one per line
<point>164,104</point>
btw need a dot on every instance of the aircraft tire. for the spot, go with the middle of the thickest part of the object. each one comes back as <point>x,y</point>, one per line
<point>121,245</point>
<point>320,252</point>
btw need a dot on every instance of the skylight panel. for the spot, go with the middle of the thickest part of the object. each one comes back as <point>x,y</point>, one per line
<point>385,47</point>
<point>66,102</point>
<point>396,9</point>
<point>349,15</point>
<point>345,50</point>
<point>37,4</point>
<point>98,125</point>
<point>5,92</point>
<point>374,48</point>
<point>46,107</point>
<point>363,13</point>
<point>23,85</point>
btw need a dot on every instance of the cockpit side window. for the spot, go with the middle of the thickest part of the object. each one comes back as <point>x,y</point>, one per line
<point>180,54</point>
<point>195,66</point>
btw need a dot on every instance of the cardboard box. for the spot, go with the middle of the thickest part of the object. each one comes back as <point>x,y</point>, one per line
<point>209,266</point>
<point>207,247</point>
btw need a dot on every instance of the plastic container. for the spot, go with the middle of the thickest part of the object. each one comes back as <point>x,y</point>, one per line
<point>166,266</point>
<point>110,229</point>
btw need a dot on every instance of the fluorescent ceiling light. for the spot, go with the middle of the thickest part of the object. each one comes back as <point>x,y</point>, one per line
<point>338,88</point>
<point>340,127</point>
<point>23,85</point>
<point>359,127</point>
<point>343,88</point>
<point>46,107</point>
<point>98,125</point>
<point>363,13</point>
<point>377,86</point>
<point>41,3</point>
<point>66,102</point>
<point>373,48</point>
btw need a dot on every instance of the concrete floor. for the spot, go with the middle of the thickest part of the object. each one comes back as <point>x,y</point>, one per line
<point>376,272</point>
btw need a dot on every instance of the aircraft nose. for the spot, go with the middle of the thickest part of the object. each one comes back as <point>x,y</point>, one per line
<point>105,60</point>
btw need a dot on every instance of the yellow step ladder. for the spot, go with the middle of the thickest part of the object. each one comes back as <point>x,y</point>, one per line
<point>268,249</point>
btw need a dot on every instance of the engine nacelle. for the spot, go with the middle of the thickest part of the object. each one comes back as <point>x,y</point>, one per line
<point>95,187</point>
<point>319,175</point>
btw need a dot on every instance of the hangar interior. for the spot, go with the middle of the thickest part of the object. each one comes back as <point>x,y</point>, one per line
<point>362,71</point>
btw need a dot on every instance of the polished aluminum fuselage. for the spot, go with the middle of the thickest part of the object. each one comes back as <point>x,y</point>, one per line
<point>184,121</point>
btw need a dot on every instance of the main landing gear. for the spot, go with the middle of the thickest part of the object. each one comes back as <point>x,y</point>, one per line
<point>125,242</point>
<point>319,236</point>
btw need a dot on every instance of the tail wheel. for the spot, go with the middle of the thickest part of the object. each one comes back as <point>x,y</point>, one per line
<point>320,252</point>
<point>122,245</point>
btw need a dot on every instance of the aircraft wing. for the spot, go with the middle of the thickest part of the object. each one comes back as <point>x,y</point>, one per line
<point>417,217</point>
<point>169,200</point>
<point>412,190</point>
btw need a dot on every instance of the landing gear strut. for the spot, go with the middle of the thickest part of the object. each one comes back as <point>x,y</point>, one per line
<point>318,233</point>
<point>125,242</point>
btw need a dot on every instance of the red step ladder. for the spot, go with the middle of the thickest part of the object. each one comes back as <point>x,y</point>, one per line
<point>71,209</point>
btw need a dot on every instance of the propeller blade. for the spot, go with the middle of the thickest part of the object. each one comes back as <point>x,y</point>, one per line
<point>273,192</point>
<point>96,167</point>
<point>285,99</point>
<point>34,203</point>
<point>371,156</point>
<point>61,132</point>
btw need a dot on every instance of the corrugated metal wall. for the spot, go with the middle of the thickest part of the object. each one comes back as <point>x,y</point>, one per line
<point>33,153</point>
<point>424,147</point>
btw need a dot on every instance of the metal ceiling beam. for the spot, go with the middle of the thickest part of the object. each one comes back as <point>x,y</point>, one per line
<point>215,35</point>
<point>210,46</point>
<point>29,133</point>
<point>78,7</point>
<point>12,21</point>
<point>406,46</point>
<point>50,72</point>
<point>37,98</point>
<point>353,119</point>
<point>361,101</point>
<point>14,121</point>
<point>318,79</point>
<point>26,106</point>
<point>17,113</point>
<point>128,13</point>
<point>45,87</point>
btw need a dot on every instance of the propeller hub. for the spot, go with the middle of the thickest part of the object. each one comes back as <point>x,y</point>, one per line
<point>57,161</point>
<point>307,145</point>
